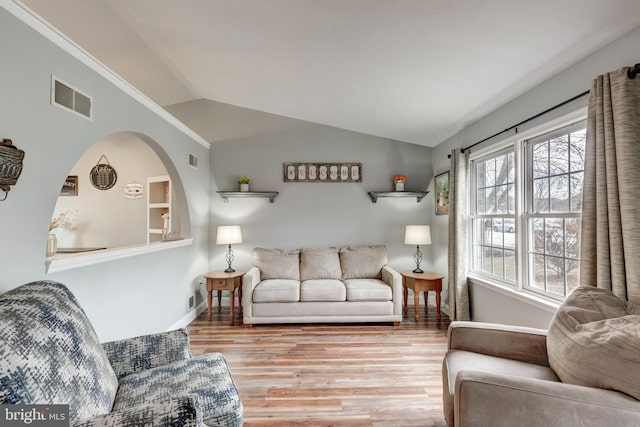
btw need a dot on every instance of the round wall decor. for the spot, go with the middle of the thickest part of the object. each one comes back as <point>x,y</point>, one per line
<point>103,176</point>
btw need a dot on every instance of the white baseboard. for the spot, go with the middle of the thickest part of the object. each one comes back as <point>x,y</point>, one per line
<point>189,317</point>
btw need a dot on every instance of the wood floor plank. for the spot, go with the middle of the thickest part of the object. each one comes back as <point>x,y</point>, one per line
<point>369,375</point>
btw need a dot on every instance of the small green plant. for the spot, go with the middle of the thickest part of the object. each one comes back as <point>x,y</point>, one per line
<point>244,180</point>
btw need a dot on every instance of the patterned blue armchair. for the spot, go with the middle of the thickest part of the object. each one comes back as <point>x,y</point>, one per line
<point>50,354</point>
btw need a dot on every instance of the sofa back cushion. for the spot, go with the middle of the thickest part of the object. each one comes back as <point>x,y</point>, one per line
<point>277,263</point>
<point>320,264</point>
<point>593,341</point>
<point>363,262</point>
<point>50,353</point>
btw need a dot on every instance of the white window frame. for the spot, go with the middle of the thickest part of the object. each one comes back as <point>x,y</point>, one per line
<point>518,142</point>
<point>507,149</point>
<point>529,213</point>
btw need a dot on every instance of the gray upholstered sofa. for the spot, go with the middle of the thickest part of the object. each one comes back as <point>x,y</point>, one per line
<point>583,371</point>
<point>327,285</point>
<point>50,354</point>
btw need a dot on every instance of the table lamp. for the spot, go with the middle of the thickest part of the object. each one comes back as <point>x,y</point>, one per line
<point>229,235</point>
<point>417,235</point>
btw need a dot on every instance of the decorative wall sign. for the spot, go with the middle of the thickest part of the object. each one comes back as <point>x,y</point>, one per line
<point>103,176</point>
<point>133,191</point>
<point>70,186</point>
<point>322,172</point>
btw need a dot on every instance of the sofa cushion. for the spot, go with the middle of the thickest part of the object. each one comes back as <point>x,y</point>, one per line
<point>49,352</point>
<point>277,290</point>
<point>364,262</point>
<point>368,290</point>
<point>205,376</point>
<point>277,263</point>
<point>319,264</point>
<point>322,290</point>
<point>594,341</point>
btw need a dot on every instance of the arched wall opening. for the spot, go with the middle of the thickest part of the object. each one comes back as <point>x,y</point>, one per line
<point>86,218</point>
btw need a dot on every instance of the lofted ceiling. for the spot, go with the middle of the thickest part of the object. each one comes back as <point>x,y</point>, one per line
<point>411,70</point>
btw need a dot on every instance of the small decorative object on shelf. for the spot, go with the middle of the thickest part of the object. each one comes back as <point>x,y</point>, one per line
<point>165,224</point>
<point>244,182</point>
<point>399,181</point>
<point>52,245</point>
<point>66,220</point>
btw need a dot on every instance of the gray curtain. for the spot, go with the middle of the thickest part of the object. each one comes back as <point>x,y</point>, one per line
<point>458,236</point>
<point>610,245</point>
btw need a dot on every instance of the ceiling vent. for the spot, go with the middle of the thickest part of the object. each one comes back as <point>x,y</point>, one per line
<point>193,160</point>
<point>70,99</point>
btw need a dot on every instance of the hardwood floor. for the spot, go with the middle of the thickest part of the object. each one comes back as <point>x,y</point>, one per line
<point>332,375</point>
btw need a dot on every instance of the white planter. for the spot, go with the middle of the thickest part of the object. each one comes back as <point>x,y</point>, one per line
<point>399,186</point>
<point>244,188</point>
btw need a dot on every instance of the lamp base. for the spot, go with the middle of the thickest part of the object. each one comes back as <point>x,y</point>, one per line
<point>418,270</point>
<point>229,270</point>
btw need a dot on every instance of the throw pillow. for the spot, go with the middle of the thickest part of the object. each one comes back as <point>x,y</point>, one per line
<point>364,262</point>
<point>594,341</point>
<point>319,264</point>
<point>277,263</point>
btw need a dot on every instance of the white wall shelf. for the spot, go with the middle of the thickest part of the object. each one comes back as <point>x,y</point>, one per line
<point>158,203</point>
<point>271,195</point>
<point>419,195</point>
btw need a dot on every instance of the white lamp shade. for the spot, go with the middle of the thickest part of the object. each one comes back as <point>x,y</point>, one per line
<point>228,235</point>
<point>417,235</point>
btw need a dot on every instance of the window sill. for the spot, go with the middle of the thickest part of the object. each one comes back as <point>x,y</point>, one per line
<point>62,262</point>
<point>530,298</point>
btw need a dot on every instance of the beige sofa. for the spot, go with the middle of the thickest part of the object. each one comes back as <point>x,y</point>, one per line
<point>583,371</point>
<point>327,285</point>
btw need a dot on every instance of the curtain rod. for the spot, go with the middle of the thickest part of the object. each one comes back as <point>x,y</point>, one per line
<point>631,73</point>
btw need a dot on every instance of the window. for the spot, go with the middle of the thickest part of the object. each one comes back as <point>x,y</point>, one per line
<point>525,233</point>
<point>494,224</point>
<point>554,186</point>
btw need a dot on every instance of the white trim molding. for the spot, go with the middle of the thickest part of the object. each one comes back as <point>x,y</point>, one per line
<point>520,295</point>
<point>33,20</point>
<point>62,262</point>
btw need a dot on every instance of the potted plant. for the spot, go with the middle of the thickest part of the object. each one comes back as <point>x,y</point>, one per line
<point>399,181</point>
<point>244,182</point>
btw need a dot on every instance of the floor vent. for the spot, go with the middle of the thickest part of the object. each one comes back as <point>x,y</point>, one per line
<point>70,99</point>
<point>193,160</point>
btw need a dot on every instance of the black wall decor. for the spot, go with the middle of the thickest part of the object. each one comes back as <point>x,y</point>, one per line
<point>103,176</point>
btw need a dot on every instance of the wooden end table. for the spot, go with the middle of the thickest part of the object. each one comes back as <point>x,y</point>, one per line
<point>220,281</point>
<point>421,282</point>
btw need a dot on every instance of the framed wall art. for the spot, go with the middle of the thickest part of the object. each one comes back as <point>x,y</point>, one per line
<point>70,186</point>
<point>442,193</point>
<point>322,172</point>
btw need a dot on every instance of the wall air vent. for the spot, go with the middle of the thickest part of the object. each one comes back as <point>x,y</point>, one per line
<point>70,99</point>
<point>193,160</point>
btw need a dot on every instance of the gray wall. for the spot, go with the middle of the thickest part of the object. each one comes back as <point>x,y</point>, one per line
<point>319,214</point>
<point>127,297</point>
<point>489,304</point>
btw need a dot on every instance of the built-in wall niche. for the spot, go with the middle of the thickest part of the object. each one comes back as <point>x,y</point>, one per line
<point>159,209</point>
<point>96,219</point>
